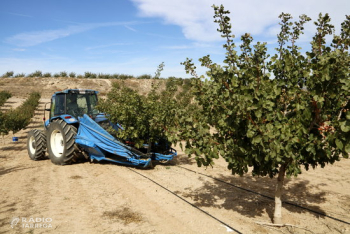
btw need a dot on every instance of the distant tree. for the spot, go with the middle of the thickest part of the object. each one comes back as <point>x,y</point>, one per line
<point>159,70</point>
<point>37,73</point>
<point>90,75</point>
<point>124,77</point>
<point>63,74</point>
<point>72,75</point>
<point>115,76</point>
<point>20,75</point>
<point>16,119</point>
<point>3,129</point>
<point>47,74</point>
<point>8,74</point>
<point>144,77</point>
<point>104,76</point>
<point>4,95</point>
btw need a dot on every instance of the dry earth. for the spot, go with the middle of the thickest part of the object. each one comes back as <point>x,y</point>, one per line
<point>177,197</point>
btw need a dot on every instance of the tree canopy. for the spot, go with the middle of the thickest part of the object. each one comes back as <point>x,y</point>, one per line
<point>273,113</point>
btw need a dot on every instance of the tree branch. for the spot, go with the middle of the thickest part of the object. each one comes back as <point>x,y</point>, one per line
<point>341,111</point>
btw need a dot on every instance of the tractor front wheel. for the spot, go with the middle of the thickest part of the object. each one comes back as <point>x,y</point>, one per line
<point>36,144</point>
<point>60,142</point>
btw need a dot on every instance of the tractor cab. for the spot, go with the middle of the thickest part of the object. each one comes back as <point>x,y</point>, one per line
<point>74,102</point>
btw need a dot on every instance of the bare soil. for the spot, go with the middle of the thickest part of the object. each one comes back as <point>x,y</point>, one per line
<point>176,197</point>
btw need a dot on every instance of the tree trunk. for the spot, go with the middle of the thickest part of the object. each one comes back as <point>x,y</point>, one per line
<point>277,217</point>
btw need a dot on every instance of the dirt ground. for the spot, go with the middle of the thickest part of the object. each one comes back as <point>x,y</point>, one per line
<point>176,197</point>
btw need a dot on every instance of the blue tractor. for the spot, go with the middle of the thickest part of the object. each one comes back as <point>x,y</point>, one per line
<point>76,130</point>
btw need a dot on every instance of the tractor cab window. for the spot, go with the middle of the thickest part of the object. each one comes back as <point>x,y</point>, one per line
<point>72,104</point>
<point>80,104</point>
<point>58,105</point>
<point>75,104</point>
<point>92,99</point>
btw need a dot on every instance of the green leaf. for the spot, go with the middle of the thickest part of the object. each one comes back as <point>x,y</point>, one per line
<point>345,126</point>
<point>339,144</point>
<point>256,139</point>
<point>348,115</point>
<point>250,133</point>
<point>347,148</point>
<point>258,113</point>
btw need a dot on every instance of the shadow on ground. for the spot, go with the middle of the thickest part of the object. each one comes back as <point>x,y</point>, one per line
<point>182,159</point>
<point>6,208</point>
<point>8,170</point>
<point>215,193</point>
<point>14,147</point>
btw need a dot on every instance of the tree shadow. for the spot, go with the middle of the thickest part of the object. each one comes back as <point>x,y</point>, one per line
<point>8,104</point>
<point>171,163</point>
<point>6,208</point>
<point>5,106</point>
<point>37,126</point>
<point>22,137</point>
<point>106,162</point>
<point>244,199</point>
<point>4,171</point>
<point>4,222</point>
<point>182,159</point>
<point>14,147</point>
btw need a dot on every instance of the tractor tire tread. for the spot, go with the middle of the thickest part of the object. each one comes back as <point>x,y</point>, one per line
<point>70,155</point>
<point>40,140</point>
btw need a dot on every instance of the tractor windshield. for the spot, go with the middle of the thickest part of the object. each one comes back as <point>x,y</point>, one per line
<point>76,104</point>
<point>80,104</point>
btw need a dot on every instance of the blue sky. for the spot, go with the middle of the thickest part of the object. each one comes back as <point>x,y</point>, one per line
<point>134,36</point>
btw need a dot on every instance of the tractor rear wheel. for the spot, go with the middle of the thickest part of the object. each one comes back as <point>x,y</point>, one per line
<point>60,142</point>
<point>36,144</point>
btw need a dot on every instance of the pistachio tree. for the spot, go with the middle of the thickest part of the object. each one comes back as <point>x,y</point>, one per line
<point>16,119</point>
<point>151,117</point>
<point>274,114</point>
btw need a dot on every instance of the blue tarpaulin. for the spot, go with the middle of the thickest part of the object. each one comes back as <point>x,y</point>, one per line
<point>97,141</point>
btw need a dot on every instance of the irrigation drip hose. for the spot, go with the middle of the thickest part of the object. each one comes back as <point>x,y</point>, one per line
<point>268,197</point>
<point>193,205</point>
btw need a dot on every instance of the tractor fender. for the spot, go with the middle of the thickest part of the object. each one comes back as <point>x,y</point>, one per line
<point>66,118</point>
<point>47,123</point>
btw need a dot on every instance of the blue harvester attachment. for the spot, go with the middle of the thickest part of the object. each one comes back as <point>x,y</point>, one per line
<point>101,145</point>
